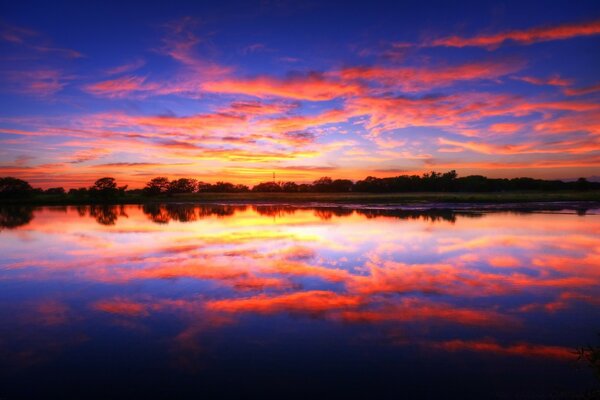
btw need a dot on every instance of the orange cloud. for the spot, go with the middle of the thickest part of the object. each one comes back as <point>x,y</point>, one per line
<point>411,79</point>
<point>121,87</point>
<point>519,349</point>
<point>128,67</point>
<point>523,37</point>
<point>506,127</point>
<point>583,90</point>
<point>39,82</point>
<point>121,307</point>
<point>312,87</point>
<point>552,81</point>
<point>503,261</point>
<point>412,309</point>
<point>574,147</point>
<point>315,301</point>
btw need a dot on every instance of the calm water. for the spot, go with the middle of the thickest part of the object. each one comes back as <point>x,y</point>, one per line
<point>184,300</point>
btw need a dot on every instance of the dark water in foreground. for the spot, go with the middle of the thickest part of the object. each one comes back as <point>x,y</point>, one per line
<point>184,301</point>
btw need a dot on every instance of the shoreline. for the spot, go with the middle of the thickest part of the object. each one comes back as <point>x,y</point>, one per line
<point>413,199</point>
<point>514,201</point>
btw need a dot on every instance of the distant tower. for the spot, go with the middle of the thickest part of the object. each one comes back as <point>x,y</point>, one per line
<point>273,176</point>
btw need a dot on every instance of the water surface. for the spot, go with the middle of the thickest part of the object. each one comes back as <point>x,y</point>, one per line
<point>238,300</point>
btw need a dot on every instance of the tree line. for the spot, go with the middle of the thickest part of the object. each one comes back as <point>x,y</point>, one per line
<point>107,188</point>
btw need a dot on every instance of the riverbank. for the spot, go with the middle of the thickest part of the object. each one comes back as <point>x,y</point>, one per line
<point>336,198</point>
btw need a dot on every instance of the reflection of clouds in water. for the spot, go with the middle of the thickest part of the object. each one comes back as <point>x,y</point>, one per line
<point>486,272</point>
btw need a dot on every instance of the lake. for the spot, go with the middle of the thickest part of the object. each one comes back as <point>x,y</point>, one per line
<point>180,300</point>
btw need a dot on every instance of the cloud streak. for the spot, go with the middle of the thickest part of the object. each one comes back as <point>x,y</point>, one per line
<point>522,36</point>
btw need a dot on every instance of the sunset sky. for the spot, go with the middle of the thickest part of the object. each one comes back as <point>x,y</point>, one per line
<point>237,91</point>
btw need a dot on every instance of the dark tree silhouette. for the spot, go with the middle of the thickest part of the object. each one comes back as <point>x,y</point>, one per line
<point>342,185</point>
<point>14,188</point>
<point>106,189</point>
<point>157,186</point>
<point>267,187</point>
<point>55,191</point>
<point>289,187</point>
<point>222,187</point>
<point>183,185</point>
<point>203,187</point>
<point>78,193</point>
<point>323,184</point>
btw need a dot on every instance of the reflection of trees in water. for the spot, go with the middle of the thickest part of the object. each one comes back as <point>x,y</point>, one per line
<point>328,213</point>
<point>182,212</point>
<point>163,213</point>
<point>13,216</point>
<point>220,210</point>
<point>157,213</point>
<point>61,209</point>
<point>107,214</point>
<point>591,356</point>
<point>427,215</point>
<point>274,210</point>
<point>81,210</point>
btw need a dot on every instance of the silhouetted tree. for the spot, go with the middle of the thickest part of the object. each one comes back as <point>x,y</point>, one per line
<point>203,187</point>
<point>323,184</point>
<point>78,193</point>
<point>342,185</point>
<point>182,185</point>
<point>14,188</point>
<point>55,191</point>
<point>106,189</point>
<point>157,186</point>
<point>582,184</point>
<point>223,187</point>
<point>267,187</point>
<point>289,187</point>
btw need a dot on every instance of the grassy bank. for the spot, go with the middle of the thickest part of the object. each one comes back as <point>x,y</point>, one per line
<point>366,198</point>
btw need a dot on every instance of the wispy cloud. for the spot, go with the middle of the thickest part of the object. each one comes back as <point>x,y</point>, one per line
<point>127,67</point>
<point>521,36</point>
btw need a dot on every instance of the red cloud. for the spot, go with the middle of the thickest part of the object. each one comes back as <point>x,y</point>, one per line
<point>415,79</point>
<point>519,349</point>
<point>122,307</point>
<point>121,87</point>
<point>412,309</point>
<point>39,82</point>
<point>552,81</point>
<point>524,37</point>
<point>312,87</point>
<point>583,90</point>
<point>314,301</point>
<point>131,66</point>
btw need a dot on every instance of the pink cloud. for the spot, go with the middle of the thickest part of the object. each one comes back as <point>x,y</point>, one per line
<point>522,37</point>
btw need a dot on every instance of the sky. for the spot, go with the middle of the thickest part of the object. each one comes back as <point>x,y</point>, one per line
<point>237,91</point>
